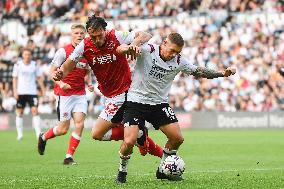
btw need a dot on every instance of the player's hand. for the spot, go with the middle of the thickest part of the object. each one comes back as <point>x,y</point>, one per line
<point>64,86</point>
<point>91,88</point>
<point>133,51</point>
<point>57,75</point>
<point>229,71</point>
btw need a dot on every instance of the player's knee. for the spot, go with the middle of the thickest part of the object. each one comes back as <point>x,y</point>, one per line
<point>19,112</point>
<point>19,115</point>
<point>96,135</point>
<point>62,130</point>
<point>80,125</point>
<point>130,142</point>
<point>34,112</point>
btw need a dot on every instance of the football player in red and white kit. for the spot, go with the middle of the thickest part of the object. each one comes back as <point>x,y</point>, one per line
<point>106,53</point>
<point>71,99</point>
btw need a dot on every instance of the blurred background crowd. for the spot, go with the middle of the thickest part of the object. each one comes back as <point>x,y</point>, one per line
<point>218,34</point>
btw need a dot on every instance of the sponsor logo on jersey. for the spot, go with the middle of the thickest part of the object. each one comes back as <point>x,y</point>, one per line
<point>107,58</point>
<point>158,72</point>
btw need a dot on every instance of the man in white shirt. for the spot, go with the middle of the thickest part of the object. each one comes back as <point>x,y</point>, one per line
<point>25,76</point>
<point>147,98</point>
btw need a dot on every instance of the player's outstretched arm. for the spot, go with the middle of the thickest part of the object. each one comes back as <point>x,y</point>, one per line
<point>202,72</point>
<point>64,70</point>
<point>141,37</point>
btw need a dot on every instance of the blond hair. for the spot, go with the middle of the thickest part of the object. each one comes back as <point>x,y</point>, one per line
<point>74,26</point>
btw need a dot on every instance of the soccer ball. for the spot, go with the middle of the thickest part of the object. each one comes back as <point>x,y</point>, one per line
<point>173,166</point>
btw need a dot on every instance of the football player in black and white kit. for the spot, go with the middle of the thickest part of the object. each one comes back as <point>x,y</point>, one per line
<point>147,98</point>
<point>25,75</point>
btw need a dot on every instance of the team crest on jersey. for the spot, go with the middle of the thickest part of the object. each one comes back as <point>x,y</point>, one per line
<point>81,65</point>
<point>110,45</point>
<point>65,114</point>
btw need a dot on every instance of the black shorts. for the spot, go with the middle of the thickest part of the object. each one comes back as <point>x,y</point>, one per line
<point>158,115</point>
<point>118,117</point>
<point>32,100</point>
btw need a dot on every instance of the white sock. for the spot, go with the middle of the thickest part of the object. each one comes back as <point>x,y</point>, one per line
<point>107,136</point>
<point>166,153</point>
<point>123,162</point>
<point>36,125</point>
<point>19,127</point>
<point>76,136</point>
<point>55,130</point>
<point>68,156</point>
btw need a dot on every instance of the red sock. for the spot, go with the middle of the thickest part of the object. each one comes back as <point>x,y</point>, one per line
<point>49,134</point>
<point>73,144</point>
<point>117,133</point>
<point>154,149</point>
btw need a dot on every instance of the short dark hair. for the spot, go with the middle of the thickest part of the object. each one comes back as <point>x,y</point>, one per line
<point>176,38</point>
<point>95,22</point>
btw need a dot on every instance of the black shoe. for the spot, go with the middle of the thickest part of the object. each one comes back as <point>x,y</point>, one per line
<point>69,161</point>
<point>121,177</point>
<point>161,175</point>
<point>41,144</point>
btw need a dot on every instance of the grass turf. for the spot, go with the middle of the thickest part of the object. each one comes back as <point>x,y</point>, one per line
<point>214,159</point>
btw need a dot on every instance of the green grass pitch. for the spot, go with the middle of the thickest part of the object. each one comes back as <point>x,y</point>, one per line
<point>214,159</point>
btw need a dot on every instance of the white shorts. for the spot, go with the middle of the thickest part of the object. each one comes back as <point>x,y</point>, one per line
<point>66,105</point>
<point>114,108</point>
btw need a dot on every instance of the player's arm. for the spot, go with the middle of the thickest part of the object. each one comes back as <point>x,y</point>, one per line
<point>69,63</point>
<point>15,81</point>
<point>61,84</point>
<point>131,42</point>
<point>202,72</point>
<point>41,84</point>
<point>40,81</point>
<point>15,86</point>
<point>64,70</point>
<point>140,38</point>
<point>129,50</point>
<point>88,79</point>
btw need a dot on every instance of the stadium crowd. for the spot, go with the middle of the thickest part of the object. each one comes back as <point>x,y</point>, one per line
<point>255,48</point>
<point>33,12</point>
